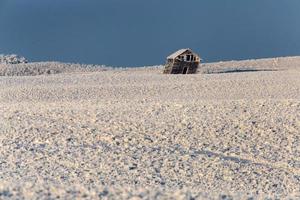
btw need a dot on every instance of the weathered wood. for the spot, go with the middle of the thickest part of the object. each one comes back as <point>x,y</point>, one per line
<point>182,62</point>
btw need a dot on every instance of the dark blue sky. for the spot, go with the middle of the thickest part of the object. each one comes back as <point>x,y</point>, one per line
<point>144,32</point>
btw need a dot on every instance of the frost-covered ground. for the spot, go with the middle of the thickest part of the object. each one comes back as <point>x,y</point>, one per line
<point>49,68</point>
<point>136,133</point>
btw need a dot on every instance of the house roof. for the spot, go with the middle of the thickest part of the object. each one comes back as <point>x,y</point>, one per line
<point>178,53</point>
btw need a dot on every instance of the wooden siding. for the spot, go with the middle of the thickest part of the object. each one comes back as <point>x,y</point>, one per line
<point>179,66</point>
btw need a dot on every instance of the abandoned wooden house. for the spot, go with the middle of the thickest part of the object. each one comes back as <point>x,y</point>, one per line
<point>183,61</point>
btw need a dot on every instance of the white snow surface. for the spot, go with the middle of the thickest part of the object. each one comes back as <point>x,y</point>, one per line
<point>229,132</point>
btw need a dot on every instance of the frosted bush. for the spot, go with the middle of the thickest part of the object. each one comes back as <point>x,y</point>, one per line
<point>12,59</point>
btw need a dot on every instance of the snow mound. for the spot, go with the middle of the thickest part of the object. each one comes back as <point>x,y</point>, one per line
<point>12,59</point>
<point>47,68</point>
<point>266,64</point>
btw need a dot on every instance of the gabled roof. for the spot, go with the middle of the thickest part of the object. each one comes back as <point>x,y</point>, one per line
<point>177,53</point>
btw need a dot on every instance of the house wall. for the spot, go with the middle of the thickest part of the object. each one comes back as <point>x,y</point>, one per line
<point>168,67</point>
<point>178,66</point>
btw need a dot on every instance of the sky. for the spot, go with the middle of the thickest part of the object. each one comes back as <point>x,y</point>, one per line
<point>144,32</point>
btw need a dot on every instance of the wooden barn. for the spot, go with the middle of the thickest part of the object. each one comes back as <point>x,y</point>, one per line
<point>183,61</point>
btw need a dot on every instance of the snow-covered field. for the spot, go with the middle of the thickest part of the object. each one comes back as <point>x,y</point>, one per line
<point>230,131</point>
